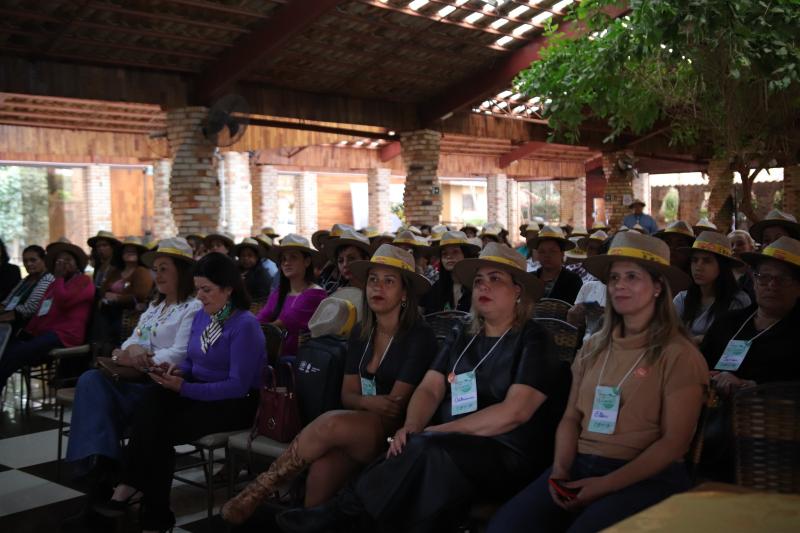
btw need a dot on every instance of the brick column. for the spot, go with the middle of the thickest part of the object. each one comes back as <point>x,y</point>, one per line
<point>619,184</point>
<point>691,201</point>
<point>514,215</point>
<point>98,198</point>
<point>305,203</point>
<point>579,206</point>
<point>76,224</point>
<point>264,179</point>
<point>720,181</point>
<point>791,190</point>
<point>497,199</point>
<point>378,180</point>
<point>193,188</point>
<point>237,211</point>
<point>567,204</point>
<point>420,152</point>
<point>163,223</point>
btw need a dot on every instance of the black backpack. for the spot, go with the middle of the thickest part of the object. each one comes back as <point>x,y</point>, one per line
<point>318,375</point>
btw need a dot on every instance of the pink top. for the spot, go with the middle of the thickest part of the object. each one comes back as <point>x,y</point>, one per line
<point>69,309</point>
<point>295,314</point>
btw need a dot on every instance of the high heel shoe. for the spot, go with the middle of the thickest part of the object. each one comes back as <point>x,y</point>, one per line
<point>117,508</point>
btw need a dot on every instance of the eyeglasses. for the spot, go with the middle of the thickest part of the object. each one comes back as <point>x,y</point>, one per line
<point>780,280</point>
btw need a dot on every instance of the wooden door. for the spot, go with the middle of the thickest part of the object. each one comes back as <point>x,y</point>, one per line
<point>131,201</point>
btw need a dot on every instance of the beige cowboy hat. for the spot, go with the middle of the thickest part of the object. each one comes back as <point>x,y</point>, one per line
<point>136,242</point>
<point>338,313</point>
<point>270,232</point>
<point>249,242</point>
<point>396,258</point>
<point>413,229</point>
<point>455,238</point>
<point>198,236</point>
<point>384,238</point>
<point>507,259</point>
<point>704,225</point>
<point>227,238</point>
<point>174,247</point>
<point>318,237</point>
<point>776,217</point>
<point>370,232</point>
<point>467,226</point>
<point>638,227</point>
<point>553,233</point>
<point>715,243</point>
<point>265,241</point>
<point>64,245</point>
<point>492,229</point>
<point>579,231</point>
<point>599,225</point>
<point>784,249</point>
<point>105,235</point>
<point>634,202</point>
<point>437,232</point>
<point>622,229</point>
<point>599,235</point>
<point>645,250</point>
<point>679,227</point>
<point>408,237</point>
<point>293,241</point>
<point>336,231</point>
<point>347,238</point>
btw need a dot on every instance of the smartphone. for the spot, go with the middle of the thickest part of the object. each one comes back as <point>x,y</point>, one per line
<point>563,491</point>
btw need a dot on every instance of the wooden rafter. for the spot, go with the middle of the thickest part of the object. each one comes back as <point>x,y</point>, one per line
<point>222,26</point>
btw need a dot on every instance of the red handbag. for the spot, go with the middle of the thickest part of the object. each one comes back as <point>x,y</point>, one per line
<point>278,415</point>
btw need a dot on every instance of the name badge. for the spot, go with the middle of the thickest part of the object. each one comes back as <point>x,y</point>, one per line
<point>732,357</point>
<point>143,333</point>
<point>464,393</point>
<point>604,410</point>
<point>13,303</point>
<point>45,308</point>
<point>368,387</point>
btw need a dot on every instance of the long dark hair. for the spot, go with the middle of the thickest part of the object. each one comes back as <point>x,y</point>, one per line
<point>222,271</point>
<point>117,260</point>
<point>725,288</point>
<point>408,314</point>
<point>4,258</point>
<point>284,286</point>
<point>185,280</point>
<point>35,248</point>
<point>444,286</point>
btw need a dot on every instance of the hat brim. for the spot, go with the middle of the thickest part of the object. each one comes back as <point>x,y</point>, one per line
<point>275,252</point>
<point>663,233</point>
<point>217,237</point>
<point>465,271</point>
<point>566,243</point>
<point>419,284</point>
<point>632,204</point>
<point>317,238</point>
<point>700,229</point>
<point>331,246</point>
<point>258,248</point>
<point>733,261</point>
<point>150,257</point>
<point>757,230</point>
<point>93,241</point>
<point>56,248</point>
<point>599,265</point>
<point>437,248</point>
<point>755,258</point>
<point>140,247</point>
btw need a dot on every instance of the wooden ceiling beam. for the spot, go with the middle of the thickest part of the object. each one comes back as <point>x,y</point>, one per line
<point>55,125</point>
<point>520,152</point>
<point>390,151</point>
<point>207,6</point>
<point>112,8</point>
<point>139,49</point>
<point>59,109</point>
<point>47,116</point>
<point>144,32</point>
<point>13,97</point>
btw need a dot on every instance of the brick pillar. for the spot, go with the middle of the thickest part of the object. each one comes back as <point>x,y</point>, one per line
<point>514,215</point>
<point>378,180</point>
<point>163,223</point>
<point>97,179</point>
<point>619,184</point>
<point>264,179</point>
<point>691,201</point>
<point>305,203</point>
<point>76,224</point>
<point>579,209</point>
<point>720,181</point>
<point>567,205</point>
<point>420,152</point>
<point>497,199</point>
<point>237,211</point>
<point>193,187</point>
<point>791,190</point>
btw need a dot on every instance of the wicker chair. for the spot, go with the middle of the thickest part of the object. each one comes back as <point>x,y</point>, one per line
<point>551,308</point>
<point>443,322</point>
<point>766,429</point>
<point>566,337</point>
<point>130,317</point>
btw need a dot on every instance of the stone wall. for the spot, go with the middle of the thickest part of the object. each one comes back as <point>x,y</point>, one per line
<point>619,185</point>
<point>237,211</point>
<point>378,181</point>
<point>497,199</point>
<point>791,190</point>
<point>420,152</point>
<point>264,180</point>
<point>98,198</point>
<point>305,203</point>
<point>163,222</point>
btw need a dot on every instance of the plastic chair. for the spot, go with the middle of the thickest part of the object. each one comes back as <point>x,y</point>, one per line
<point>566,337</point>
<point>551,308</point>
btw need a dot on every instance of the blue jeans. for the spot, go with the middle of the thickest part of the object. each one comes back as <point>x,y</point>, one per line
<point>533,509</point>
<point>100,414</point>
<point>26,352</point>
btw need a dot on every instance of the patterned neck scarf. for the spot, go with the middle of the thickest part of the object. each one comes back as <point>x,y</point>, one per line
<point>213,330</point>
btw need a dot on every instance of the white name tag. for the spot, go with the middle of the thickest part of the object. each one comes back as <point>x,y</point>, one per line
<point>733,356</point>
<point>45,308</point>
<point>604,410</point>
<point>464,393</point>
<point>12,304</point>
<point>368,387</point>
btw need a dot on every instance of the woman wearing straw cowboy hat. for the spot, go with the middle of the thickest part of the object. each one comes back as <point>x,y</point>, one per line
<point>560,283</point>
<point>103,245</point>
<point>775,224</point>
<point>742,242</point>
<point>329,277</point>
<point>388,354</point>
<point>266,243</point>
<point>104,408</point>
<point>713,291</point>
<point>249,253</point>
<point>637,391</point>
<point>219,242</point>
<point>448,293</point>
<point>679,237</point>
<point>498,392</point>
<point>343,251</point>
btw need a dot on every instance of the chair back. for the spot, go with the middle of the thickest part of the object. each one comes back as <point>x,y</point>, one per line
<point>766,429</point>
<point>443,322</point>
<point>695,453</point>
<point>566,337</point>
<point>5,336</point>
<point>273,338</point>
<point>551,308</point>
<point>130,317</point>
<point>257,305</point>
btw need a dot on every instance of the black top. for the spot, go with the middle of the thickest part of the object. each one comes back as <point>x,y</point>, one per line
<point>771,357</point>
<point>9,277</point>
<point>257,283</point>
<point>438,299</point>
<point>566,286</point>
<point>523,357</point>
<point>407,360</point>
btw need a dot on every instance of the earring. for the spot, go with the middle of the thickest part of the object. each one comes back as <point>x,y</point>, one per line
<point>519,300</point>
<point>403,304</point>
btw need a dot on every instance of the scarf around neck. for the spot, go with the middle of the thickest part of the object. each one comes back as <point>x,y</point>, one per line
<point>213,330</point>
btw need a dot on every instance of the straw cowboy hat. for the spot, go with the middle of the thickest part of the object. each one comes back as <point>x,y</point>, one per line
<point>292,241</point>
<point>249,242</point>
<point>103,234</point>
<point>455,238</point>
<point>784,249</point>
<point>336,231</point>
<point>492,229</point>
<point>507,259</point>
<point>174,247</point>
<point>553,233</point>
<point>226,238</point>
<point>645,250</point>
<point>599,225</point>
<point>600,236</point>
<point>386,237</point>
<point>407,237</point>
<point>776,218</point>
<point>136,242</point>
<point>348,238</point>
<point>679,227</point>
<point>704,225</point>
<point>437,231</point>
<point>636,201</point>
<point>265,241</point>
<point>318,237</point>
<point>577,254</point>
<point>370,232</point>
<point>467,226</point>
<point>64,245</point>
<point>270,232</point>
<point>638,227</point>
<point>580,231</point>
<point>395,258</point>
<point>715,243</point>
<point>198,236</point>
<point>337,314</point>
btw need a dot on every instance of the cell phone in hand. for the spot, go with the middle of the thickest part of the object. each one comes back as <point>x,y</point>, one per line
<point>562,490</point>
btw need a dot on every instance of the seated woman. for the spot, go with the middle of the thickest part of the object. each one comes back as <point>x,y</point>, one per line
<point>104,408</point>
<point>679,236</point>
<point>387,356</point>
<point>480,424</point>
<point>329,277</point>
<point>637,391</point>
<point>103,245</point>
<point>255,277</point>
<point>221,243</point>
<point>344,250</point>
<point>61,317</point>
<point>448,294</point>
<point>742,242</point>
<point>215,388</point>
<point>298,297</point>
<point>775,225</point>
<point>559,283</point>
<point>407,240</point>
<point>713,291</point>
<point>24,299</point>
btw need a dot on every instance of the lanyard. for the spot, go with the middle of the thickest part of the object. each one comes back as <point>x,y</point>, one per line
<point>628,373</point>
<point>757,335</point>
<point>451,377</point>
<point>382,356</point>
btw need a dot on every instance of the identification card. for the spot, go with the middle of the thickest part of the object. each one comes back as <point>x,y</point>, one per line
<point>368,387</point>
<point>464,393</point>
<point>143,333</point>
<point>45,308</point>
<point>12,304</point>
<point>732,357</point>
<point>604,410</point>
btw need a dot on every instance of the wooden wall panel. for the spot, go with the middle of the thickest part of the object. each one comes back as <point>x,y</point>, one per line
<point>22,143</point>
<point>131,201</point>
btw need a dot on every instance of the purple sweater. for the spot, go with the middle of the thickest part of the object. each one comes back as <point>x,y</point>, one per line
<point>295,314</point>
<point>231,367</point>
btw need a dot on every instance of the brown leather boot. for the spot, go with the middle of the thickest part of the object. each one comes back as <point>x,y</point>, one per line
<point>242,506</point>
